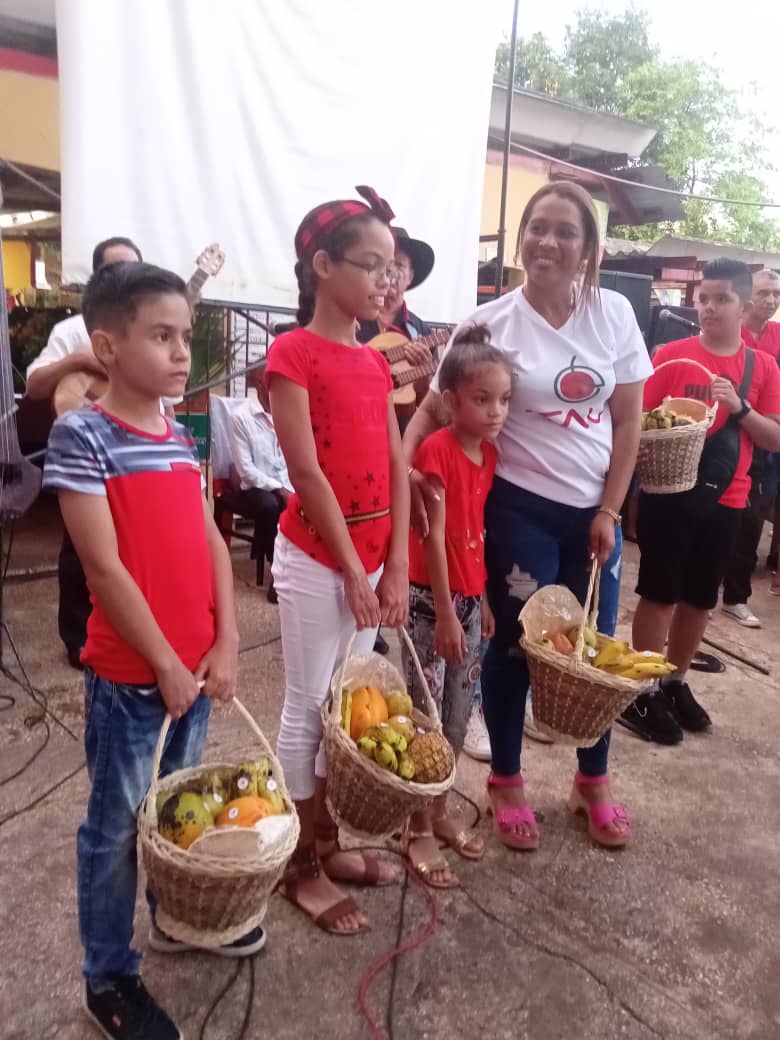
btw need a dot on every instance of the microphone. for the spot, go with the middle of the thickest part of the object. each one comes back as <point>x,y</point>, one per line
<point>666,315</point>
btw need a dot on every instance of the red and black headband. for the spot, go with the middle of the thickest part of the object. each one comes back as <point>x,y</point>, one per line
<point>329,215</point>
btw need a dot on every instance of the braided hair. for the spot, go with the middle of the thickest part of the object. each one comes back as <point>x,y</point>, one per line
<point>335,243</point>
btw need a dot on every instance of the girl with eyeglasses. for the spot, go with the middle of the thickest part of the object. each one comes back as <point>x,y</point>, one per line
<point>341,555</point>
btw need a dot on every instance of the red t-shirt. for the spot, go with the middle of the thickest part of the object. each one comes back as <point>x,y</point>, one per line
<point>768,341</point>
<point>465,486</point>
<point>153,488</point>
<point>688,381</point>
<point>347,388</point>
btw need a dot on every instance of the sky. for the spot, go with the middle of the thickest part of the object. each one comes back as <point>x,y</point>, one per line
<point>744,50</point>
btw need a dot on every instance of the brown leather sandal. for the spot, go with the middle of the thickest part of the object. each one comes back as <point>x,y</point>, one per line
<point>304,865</point>
<point>371,876</point>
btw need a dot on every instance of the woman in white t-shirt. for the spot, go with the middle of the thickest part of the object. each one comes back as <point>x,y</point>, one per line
<point>566,456</point>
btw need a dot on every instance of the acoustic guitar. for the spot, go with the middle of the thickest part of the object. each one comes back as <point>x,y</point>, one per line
<point>82,388</point>
<point>404,375</point>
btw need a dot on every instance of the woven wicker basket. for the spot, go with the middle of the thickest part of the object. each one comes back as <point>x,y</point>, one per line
<point>573,702</point>
<point>670,460</point>
<point>369,801</point>
<point>202,898</point>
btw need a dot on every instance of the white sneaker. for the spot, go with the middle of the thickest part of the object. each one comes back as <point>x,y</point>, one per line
<point>477,742</point>
<point>742,613</point>
<point>530,729</point>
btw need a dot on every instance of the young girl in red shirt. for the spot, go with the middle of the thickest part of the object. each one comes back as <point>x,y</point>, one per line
<point>448,617</point>
<point>341,555</point>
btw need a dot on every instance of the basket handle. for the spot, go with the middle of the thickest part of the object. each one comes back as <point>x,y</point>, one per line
<point>683,361</point>
<point>590,609</point>
<point>151,798</point>
<point>334,718</point>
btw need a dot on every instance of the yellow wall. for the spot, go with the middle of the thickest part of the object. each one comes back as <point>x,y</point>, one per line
<point>16,266</point>
<point>29,120</point>
<point>521,185</point>
<point>523,182</point>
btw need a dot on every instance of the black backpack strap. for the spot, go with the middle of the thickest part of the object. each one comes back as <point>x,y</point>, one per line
<point>747,373</point>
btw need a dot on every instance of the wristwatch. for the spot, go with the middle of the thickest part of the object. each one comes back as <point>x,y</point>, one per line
<point>744,410</point>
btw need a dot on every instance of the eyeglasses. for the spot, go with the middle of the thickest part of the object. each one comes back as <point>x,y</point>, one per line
<point>374,271</point>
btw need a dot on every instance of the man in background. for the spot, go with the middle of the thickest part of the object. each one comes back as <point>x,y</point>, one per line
<point>260,469</point>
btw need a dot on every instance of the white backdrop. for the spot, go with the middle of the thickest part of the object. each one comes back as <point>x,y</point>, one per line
<point>188,121</point>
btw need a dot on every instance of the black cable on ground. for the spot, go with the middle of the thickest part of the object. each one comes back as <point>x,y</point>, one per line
<point>242,1033</point>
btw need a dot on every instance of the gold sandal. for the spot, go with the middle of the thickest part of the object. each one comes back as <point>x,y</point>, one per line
<point>460,843</point>
<point>426,868</point>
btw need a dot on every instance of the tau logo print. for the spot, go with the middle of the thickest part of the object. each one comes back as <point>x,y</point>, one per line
<point>577,383</point>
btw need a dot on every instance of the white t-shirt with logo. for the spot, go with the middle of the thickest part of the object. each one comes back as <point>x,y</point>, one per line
<point>557,440</point>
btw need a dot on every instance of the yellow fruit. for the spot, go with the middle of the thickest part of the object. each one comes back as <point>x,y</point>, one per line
<point>245,780</point>
<point>399,703</point>
<point>405,768</point>
<point>402,724</point>
<point>610,653</point>
<point>184,818</point>
<point>245,812</point>
<point>346,710</point>
<point>368,708</point>
<point>366,746</point>
<point>588,636</point>
<point>432,757</point>
<point>385,756</point>
<point>383,732</point>
<point>269,789</point>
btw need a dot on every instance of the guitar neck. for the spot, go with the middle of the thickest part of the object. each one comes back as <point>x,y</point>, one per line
<point>434,340</point>
<point>411,375</point>
<point>195,285</point>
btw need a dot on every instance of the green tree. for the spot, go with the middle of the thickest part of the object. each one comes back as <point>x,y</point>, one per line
<point>705,143</point>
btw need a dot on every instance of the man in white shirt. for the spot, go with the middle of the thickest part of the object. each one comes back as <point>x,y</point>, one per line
<point>69,350</point>
<point>260,468</point>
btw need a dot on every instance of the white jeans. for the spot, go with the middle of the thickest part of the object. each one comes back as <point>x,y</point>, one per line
<point>316,626</point>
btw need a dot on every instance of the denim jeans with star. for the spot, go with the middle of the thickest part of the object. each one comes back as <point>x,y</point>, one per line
<point>122,729</point>
<point>531,542</point>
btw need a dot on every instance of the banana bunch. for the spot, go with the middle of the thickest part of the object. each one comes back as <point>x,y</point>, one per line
<point>616,657</point>
<point>387,747</point>
<point>346,710</point>
<point>664,418</point>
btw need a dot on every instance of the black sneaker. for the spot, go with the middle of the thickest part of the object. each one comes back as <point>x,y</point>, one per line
<point>685,708</point>
<point>246,946</point>
<point>126,1011</point>
<point>650,718</point>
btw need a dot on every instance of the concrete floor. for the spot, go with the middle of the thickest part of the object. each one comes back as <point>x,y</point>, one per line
<point>676,937</point>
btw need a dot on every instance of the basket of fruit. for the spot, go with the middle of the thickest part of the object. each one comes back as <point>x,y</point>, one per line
<point>215,840</point>
<point>672,440</point>
<point>581,680</point>
<point>386,759</point>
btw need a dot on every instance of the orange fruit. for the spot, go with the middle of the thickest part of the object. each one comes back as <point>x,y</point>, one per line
<point>369,708</point>
<point>245,812</point>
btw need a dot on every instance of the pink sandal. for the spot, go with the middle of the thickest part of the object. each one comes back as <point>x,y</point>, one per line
<point>508,817</point>
<point>600,814</point>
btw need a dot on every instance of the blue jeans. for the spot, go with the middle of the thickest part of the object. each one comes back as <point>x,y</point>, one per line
<point>122,729</point>
<point>531,542</point>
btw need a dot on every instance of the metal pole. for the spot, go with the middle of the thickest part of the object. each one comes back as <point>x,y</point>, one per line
<point>507,147</point>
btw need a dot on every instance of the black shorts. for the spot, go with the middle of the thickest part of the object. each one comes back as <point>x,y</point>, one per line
<point>684,553</point>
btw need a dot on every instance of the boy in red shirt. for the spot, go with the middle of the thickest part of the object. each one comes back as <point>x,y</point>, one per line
<point>163,619</point>
<point>687,539</point>
<point>448,617</point>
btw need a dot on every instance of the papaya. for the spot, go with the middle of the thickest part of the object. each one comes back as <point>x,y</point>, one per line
<point>369,708</point>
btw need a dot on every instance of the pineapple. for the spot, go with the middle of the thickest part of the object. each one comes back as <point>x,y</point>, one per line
<point>432,758</point>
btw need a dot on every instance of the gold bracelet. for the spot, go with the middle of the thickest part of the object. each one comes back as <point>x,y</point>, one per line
<point>611,512</point>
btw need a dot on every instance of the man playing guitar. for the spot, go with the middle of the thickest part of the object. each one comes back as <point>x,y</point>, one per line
<point>413,263</point>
